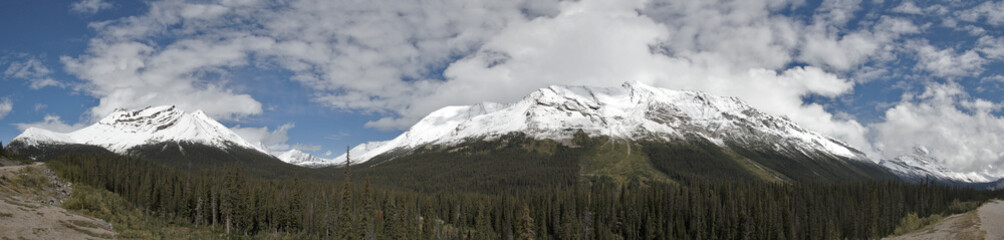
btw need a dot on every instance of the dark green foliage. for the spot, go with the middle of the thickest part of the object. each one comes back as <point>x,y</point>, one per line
<point>43,152</point>
<point>800,167</point>
<point>525,226</point>
<point>188,156</point>
<point>696,159</point>
<point>699,158</point>
<point>512,162</point>
<point>181,155</point>
<point>697,208</point>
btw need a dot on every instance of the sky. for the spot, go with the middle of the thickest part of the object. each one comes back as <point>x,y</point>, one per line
<point>885,76</point>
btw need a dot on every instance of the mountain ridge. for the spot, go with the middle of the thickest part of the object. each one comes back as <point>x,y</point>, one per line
<point>123,130</point>
<point>633,111</point>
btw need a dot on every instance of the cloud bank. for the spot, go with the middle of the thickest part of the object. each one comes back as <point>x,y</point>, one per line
<point>960,130</point>
<point>401,59</point>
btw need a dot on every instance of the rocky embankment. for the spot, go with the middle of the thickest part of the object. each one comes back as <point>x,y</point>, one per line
<point>30,199</point>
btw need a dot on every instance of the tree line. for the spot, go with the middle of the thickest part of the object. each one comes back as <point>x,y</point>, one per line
<point>232,202</point>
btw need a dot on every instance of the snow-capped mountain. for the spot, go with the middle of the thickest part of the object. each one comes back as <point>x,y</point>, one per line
<point>920,165</point>
<point>300,158</point>
<point>297,157</point>
<point>633,111</point>
<point>125,129</point>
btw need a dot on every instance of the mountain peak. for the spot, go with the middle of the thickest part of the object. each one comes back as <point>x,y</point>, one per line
<point>297,157</point>
<point>147,119</point>
<point>633,111</point>
<point>921,164</point>
<point>124,129</point>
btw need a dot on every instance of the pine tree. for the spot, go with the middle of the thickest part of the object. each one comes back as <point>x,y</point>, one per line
<point>525,228</point>
<point>366,217</point>
<point>345,222</point>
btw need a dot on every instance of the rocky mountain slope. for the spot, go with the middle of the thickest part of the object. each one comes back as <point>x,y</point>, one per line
<point>124,130</point>
<point>633,111</point>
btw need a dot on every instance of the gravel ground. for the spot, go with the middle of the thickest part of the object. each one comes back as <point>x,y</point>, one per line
<point>37,215</point>
<point>992,219</point>
<point>958,226</point>
<point>987,222</point>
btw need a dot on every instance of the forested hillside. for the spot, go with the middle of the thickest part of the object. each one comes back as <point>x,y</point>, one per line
<point>232,202</point>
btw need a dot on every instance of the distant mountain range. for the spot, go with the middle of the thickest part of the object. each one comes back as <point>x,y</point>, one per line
<point>663,120</point>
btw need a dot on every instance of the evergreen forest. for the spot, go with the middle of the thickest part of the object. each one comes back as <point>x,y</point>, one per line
<point>241,205</point>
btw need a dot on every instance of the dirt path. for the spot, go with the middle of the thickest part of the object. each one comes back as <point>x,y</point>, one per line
<point>29,208</point>
<point>992,219</point>
<point>958,226</point>
<point>987,222</point>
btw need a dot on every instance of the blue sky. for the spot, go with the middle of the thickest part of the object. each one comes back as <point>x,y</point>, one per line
<point>885,76</point>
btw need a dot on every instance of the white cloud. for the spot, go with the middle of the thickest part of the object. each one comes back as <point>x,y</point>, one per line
<point>306,147</point>
<point>328,153</point>
<point>956,128</point>
<point>51,123</point>
<point>996,78</point>
<point>990,12</point>
<point>837,12</point>
<point>30,69</point>
<point>275,140</point>
<point>39,107</point>
<point>974,30</point>
<point>358,58</point>
<point>385,57</point>
<point>133,74</point>
<point>991,47</point>
<point>90,6</point>
<point>605,44</point>
<point>6,105</point>
<point>908,7</point>
<point>355,60</point>
<point>843,52</point>
<point>947,62</point>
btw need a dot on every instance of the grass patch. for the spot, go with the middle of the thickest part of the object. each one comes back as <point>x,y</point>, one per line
<point>757,169</point>
<point>620,161</point>
<point>912,223</point>
<point>3,215</point>
<point>957,206</point>
<point>27,180</point>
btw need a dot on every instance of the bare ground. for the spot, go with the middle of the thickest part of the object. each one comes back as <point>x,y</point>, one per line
<point>992,219</point>
<point>958,226</point>
<point>987,222</point>
<point>29,208</point>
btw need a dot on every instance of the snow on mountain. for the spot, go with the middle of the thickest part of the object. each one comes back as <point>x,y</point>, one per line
<point>297,157</point>
<point>920,164</point>
<point>632,111</point>
<point>125,129</point>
